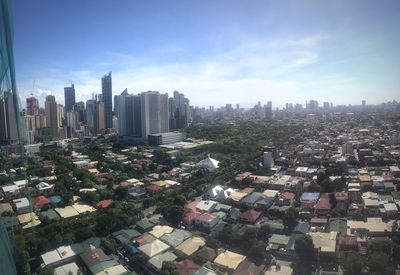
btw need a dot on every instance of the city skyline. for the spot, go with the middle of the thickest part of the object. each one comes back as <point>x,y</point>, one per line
<point>340,52</point>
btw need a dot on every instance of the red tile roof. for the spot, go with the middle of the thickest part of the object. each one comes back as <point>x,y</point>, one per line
<point>250,216</point>
<point>186,267</point>
<point>247,190</point>
<point>206,254</point>
<point>152,188</point>
<point>341,196</point>
<point>205,217</point>
<point>288,195</point>
<point>104,203</point>
<point>39,201</point>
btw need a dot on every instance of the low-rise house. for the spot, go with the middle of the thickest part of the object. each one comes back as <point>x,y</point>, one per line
<point>49,214</point>
<point>176,237</point>
<point>346,244</point>
<point>160,230</point>
<point>99,263</point>
<point>286,198</point>
<point>247,267</point>
<point>278,242</point>
<point>45,188</point>
<point>68,269</point>
<point>189,218</point>
<point>186,267</point>
<point>338,225</point>
<point>6,207</point>
<point>144,239</point>
<point>190,246</point>
<point>60,256</point>
<point>104,203</point>
<point>228,261</point>
<point>157,261</point>
<point>21,205</point>
<point>205,254</point>
<point>153,248</point>
<point>376,227</point>
<point>302,227</point>
<point>318,224</point>
<point>390,210</point>
<point>206,206</point>
<point>40,201</point>
<point>371,207</point>
<point>323,206</point>
<point>126,236</point>
<point>324,242</point>
<point>250,216</point>
<point>354,191</point>
<point>206,221</point>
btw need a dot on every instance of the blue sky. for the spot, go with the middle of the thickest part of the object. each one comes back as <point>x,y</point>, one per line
<point>216,52</point>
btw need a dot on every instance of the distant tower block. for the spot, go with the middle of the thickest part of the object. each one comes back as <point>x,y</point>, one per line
<point>268,159</point>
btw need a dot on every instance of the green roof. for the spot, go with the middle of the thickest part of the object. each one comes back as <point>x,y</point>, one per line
<point>79,248</point>
<point>102,265</point>
<point>144,225</point>
<point>50,214</point>
<point>338,225</point>
<point>222,207</point>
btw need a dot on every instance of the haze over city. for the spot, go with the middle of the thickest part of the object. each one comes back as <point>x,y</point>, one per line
<point>214,52</point>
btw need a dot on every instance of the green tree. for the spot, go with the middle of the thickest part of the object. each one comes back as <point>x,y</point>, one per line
<point>168,268</point>
<point>257,252</point>
<point>305,252</point>
<point>290,218</point>
<point>354,264</point>
<point>379,263</point>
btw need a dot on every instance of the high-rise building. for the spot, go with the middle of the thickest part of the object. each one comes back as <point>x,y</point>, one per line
<point>51,115</point>
<point>60,115</point>
<point>32,106</point>
<point>69,96</point>
<point>101,124</point>
<point>154,113</point>
<point>11,124</point>
<point>179,111</point>
<point>106,90</point>
<point>364,103</point>
<point>92,116</point>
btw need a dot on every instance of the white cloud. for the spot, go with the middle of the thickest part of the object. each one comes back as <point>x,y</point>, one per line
<point>248,72</point>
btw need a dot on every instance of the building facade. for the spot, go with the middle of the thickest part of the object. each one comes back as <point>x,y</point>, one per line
<point>106,89</point>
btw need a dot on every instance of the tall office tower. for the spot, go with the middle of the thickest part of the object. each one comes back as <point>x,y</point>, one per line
<point>237,107</point>
<point>312,105</point>
<point>268,112</point>
<point>50,106</point>
<point>101,124</point>
<point>154,113</point>
<point>269,104</point>
<point>326,105</point>
<point>32,106</point>
<point>11,123</point>
<point>91,116</point>
<point>106,90</point>
<point>364,103</point>
<point>79,107</point>
<point>60,115</point>
<point>69,96</point>
<point>179,111</point>
<point>120,110</point>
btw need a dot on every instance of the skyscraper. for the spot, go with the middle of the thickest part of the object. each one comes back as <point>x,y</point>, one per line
<point>32,106</point>
<point>106,90</point>
<point>92,116</point>
<point>69,96</point>
<point>11,125</point>
<point>51,115</point>
<point>154,113</point>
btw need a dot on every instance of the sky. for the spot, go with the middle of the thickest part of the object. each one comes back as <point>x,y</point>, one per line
<point>214,51</point>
